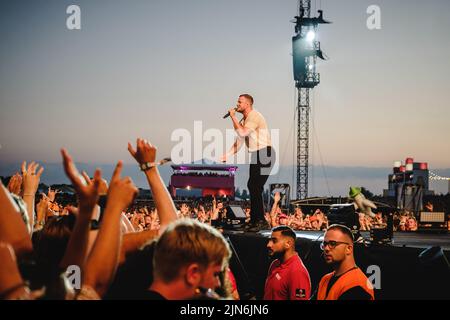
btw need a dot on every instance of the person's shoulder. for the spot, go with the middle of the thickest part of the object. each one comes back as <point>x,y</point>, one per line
<point>355,293</point>
<point>256,114</point>
<point>275,263</point>
<point>152,295</point>
<point>326,277</point>
<point>360,273</point>
<point>299,265</point>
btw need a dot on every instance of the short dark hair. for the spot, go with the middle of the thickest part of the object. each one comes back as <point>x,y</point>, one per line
<point>285,231</point>
<point>344,229</point>
<point>247,96</point>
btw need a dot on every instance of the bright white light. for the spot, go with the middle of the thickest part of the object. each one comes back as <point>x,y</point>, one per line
<point>310,36</point>
<point>310,67</point>
<point>188,187</point>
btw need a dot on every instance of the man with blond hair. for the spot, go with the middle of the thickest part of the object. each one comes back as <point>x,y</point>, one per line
<point>253,129</point>
<point>188,259</point>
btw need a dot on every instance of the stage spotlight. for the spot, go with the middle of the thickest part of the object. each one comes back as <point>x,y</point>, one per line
<point>310,36</point>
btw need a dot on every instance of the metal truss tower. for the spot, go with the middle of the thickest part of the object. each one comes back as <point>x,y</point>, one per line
<point>305,52</point>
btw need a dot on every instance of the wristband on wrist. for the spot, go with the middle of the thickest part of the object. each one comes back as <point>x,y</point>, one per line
<point>148,165</point>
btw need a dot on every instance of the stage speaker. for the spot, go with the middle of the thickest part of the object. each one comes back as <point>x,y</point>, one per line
<point>234,218</point>
<point>344,214</point>
<point>235,212</point>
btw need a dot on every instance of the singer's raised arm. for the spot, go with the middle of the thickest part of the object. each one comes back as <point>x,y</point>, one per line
<point>239,128</point>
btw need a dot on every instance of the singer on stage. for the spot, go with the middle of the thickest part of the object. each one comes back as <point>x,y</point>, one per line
<point>252,128</point>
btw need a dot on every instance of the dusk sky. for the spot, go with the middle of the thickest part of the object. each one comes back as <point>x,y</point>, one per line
<point>144,68</point>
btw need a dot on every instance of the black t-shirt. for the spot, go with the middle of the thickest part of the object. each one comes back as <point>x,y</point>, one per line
<point>151,295</point>
<point>135,276</point>
<point>355,293</point>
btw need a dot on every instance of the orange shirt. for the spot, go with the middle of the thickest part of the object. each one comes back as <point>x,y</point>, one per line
<point>348,280</point>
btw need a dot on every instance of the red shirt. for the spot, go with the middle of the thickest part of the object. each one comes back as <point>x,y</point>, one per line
<point>288,281</point>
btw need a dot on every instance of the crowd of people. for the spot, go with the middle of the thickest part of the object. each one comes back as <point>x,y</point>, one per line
<point>122,250</point>
<point>208,209</point>
<point>101,235</point>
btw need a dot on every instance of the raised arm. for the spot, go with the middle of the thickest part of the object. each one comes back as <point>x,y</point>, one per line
<point>88,194</point>
<point>145,152</point>
<point>102,262</point>
<point>273,212</point>
<point>30,183</point>
<point>135,240</point>
<point>12,285</point>
<point>12,227</point>
<point>15,184</point>
<point>238,127</point>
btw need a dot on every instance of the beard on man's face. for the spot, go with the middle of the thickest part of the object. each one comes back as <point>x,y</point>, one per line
<point>276,254</point>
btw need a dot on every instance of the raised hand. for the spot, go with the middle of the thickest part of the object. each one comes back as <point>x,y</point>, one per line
<point>232,112</point>
<point>41,210</point>
<point>30,178</point>
<point>291,220</point>
<point>87,192</point>
<point>122,191</point>
<point>51,194</point>
<point>15,184</point>
<point>155,224</point>
<point>145,152</point>
<point>277,197</point>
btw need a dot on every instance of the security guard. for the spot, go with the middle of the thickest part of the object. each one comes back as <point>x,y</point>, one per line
<point>347,281</point>
<point>288,278</point>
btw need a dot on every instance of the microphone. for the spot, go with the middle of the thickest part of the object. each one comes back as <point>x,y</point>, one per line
<point>228,114</point>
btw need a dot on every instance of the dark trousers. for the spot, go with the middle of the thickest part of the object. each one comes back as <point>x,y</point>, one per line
<point>261,164</point>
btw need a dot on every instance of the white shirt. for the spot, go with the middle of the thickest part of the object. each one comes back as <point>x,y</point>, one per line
<point>259,136</point>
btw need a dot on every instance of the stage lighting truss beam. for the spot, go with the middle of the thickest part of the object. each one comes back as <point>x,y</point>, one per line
<point>302,143</point>
<point>306,79</point>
